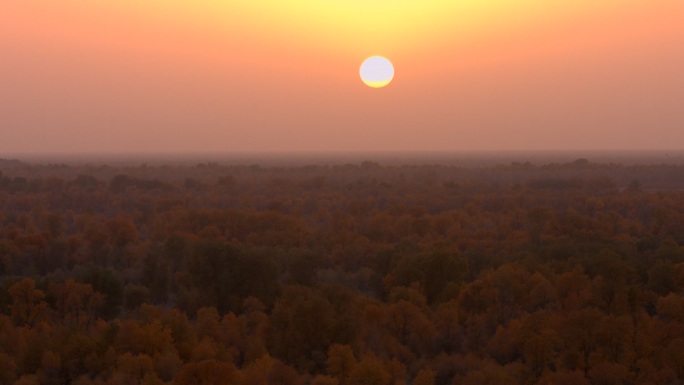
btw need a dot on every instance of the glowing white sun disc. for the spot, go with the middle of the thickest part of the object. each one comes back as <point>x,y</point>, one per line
<point>376,71</point>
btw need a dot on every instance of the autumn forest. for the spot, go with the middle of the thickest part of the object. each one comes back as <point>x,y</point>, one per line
<point>347,274</point>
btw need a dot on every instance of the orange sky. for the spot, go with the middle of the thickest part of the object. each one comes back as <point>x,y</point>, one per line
<point>172,76</point>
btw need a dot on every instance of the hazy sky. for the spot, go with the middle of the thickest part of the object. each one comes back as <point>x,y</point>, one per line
<point>95,76</point>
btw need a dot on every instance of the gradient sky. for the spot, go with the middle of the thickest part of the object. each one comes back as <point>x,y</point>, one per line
<point>172,76</point>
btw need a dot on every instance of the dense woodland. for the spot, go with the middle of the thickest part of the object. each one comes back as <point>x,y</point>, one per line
<point>350,274</point>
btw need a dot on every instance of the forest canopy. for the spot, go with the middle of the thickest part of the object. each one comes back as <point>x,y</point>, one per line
<point>345,274</point>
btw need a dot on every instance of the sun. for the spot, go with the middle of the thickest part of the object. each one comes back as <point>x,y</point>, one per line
<point>376,71</point>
